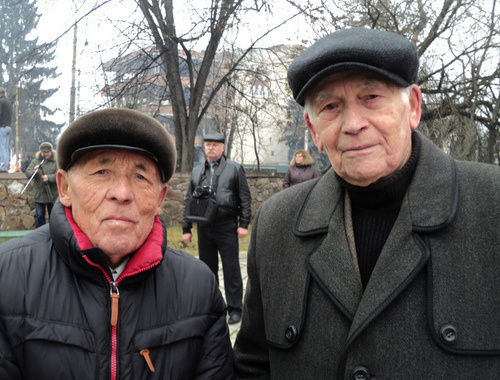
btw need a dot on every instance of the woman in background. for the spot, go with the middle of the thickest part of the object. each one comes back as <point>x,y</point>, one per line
<point>300,170</point>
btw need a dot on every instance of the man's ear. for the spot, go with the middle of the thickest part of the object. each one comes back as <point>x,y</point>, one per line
<point>63,187</point>
<point>415,106</point>
<point>163,194</point>
<point>316,139</point>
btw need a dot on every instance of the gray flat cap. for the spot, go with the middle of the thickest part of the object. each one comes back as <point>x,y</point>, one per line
<point>118,128</point>
<point>214,136</point>
<point>387,54</point>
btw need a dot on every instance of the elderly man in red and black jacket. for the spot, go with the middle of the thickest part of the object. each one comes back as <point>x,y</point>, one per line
<point>97,293</point>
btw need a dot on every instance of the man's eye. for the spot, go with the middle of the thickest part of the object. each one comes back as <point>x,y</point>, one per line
<point>143,177</point>
<point>330,107</point>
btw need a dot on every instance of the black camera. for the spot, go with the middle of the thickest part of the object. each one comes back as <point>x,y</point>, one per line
<point>203,192</point>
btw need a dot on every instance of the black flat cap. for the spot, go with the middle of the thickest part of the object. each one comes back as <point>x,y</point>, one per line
<point>387,54</point>
<point>214,136</point>
<point>118,128</point>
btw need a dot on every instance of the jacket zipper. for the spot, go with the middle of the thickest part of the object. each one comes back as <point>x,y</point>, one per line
<point>114,297</point>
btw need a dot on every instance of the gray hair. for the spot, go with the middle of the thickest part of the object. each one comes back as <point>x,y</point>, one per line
<point>405,95</point>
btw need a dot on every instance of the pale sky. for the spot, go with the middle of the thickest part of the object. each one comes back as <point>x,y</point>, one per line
<point>95,40</point>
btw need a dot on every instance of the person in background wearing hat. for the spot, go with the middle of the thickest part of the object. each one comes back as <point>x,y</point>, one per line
<point>26,162</point>
<point>44,169</point>
<point>226,180</point>
<point>97,293</point>
<point>387,266</point>
<point>301,169</point>
<point>5,128</point>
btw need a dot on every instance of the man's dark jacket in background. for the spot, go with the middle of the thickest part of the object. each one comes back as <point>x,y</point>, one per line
<point>232,192</point>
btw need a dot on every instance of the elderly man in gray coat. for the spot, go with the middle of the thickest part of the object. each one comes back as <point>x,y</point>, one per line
<point>387,267</point>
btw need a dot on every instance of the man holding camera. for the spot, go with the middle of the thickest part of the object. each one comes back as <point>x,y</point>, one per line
<point>225,182</point>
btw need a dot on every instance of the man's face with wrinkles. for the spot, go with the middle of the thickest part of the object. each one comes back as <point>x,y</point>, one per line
<point>114,195</point>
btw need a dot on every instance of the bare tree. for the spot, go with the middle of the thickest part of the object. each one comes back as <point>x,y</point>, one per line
<point>260,96</point>
<point>207,76</point>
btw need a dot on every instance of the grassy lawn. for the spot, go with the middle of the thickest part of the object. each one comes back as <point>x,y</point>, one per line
<point>174,239</point>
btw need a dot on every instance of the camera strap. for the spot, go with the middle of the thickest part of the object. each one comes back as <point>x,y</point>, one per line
<point>215,180</point>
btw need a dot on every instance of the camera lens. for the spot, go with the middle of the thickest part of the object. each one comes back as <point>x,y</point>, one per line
<point>202,192</point>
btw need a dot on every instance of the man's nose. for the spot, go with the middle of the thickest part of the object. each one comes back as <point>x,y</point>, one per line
<point>354,119</point>
<point>121,190</point>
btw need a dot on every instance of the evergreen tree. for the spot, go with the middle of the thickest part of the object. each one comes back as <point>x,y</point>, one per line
<point>24,66</point>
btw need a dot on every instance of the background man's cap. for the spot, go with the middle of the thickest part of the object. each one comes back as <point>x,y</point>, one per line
<point>214,136</point>
<point>45,147</point>
<point>387,54</point>
<point>2,90</point>
<point>118,128</point>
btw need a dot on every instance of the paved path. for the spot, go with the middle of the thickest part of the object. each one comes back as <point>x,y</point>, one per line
<point>233,329</point>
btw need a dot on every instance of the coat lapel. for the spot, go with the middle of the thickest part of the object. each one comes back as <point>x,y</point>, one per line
<point>331,264</point>
<point>401,260</point>
<point>332,267</point>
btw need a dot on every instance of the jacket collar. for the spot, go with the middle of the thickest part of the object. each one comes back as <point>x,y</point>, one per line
<point>39,157</point>
<point>432,195</point>
<point>217,162</point>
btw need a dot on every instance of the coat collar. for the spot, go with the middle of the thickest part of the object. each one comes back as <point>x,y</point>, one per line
<point>321,202</point>
<point>217,162</point>
<point>39,157</point>
<point>432,195</point>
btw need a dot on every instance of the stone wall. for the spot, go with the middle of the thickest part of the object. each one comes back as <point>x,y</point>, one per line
<point>17,210</point>
<point>262,186</point>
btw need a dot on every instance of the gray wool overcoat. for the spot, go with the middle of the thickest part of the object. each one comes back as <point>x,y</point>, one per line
<point>431,309</point>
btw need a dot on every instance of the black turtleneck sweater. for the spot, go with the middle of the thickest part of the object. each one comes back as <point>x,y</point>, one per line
<point>375,209</point>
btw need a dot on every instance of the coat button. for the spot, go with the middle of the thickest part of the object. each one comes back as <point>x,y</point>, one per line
<point>449,334</point>
<point>360,373</point>
<point>291,333</point>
